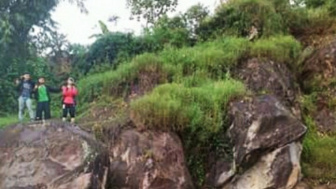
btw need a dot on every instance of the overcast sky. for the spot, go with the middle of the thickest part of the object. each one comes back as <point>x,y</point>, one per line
<point>78,26</point>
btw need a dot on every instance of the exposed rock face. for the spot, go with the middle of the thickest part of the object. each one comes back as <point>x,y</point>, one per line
<point>325,120</point>
<point>51,155</point>
<point>318,76</point>
<point>268,77</point>
<point>148,160</point>
<point>277,169</point>
<point>320,68</point>
<point>267,149</point>
<point>261,124</point>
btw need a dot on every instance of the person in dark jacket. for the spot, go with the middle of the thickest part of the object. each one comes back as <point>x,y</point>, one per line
<point>25,87</point>
<point>42,95</point>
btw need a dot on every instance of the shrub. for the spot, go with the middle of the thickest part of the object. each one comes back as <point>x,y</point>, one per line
<point>176,107</point>
<point>110,82</point>
<point>318,156</point>
<point>210,60</point>
<point>215,58</point>
<point>237,16</point>
<point>278,48</point>
<point>307,22</point>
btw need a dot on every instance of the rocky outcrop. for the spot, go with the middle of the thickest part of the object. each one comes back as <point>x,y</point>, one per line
<point>268,77</point>
<point>318,79</point>
<point>324,115</point>
<point>276,169</point>
<point>60,156</point>
<point>320,68</point>
<point>261,124</point>
<point>51,155</point>
<point>148,160</point>
<point>267,149</point>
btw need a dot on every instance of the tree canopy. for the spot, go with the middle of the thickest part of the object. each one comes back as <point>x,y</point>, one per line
<point>151,10</point>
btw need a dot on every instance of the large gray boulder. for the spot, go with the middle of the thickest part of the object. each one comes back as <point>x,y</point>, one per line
<point>267,145</point>
<point>148,160</point>
<point>259,125</point>
<point>278,169</point>
<point>52,155</point>
<point>269,77</point>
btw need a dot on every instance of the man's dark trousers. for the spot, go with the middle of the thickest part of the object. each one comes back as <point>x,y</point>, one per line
<point>43,107</point>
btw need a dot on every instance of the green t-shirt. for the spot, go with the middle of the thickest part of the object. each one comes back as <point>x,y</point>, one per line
<point>42,92</point>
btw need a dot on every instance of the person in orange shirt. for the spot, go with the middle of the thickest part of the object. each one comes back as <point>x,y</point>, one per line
<point>69,92</point>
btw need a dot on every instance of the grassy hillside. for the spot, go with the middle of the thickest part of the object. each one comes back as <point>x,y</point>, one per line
<point>183,83</point>
<point>187,90</point>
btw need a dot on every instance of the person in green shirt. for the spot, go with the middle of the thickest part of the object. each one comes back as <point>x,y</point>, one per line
<point>42,94</point>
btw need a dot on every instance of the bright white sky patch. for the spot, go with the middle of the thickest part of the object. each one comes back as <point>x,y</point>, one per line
<point>79,27</point>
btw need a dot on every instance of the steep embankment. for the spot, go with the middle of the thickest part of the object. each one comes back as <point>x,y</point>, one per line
<point>178,119</point>
<point>189,91</point>
<point>318,83</point>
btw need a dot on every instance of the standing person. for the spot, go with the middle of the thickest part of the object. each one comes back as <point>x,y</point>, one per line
<point>25,87</point>
<point>69,92</point>
<point>42,94</point>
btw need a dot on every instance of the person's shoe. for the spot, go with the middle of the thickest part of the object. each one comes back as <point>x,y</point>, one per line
<point>72,120</point>
<point>64,119</point>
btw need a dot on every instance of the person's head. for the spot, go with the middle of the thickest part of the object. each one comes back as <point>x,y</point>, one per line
<point>70,81</point>
<point>26,76</point>
<point>41,80</point>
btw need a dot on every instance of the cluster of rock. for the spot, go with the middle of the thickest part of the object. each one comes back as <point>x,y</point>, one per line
<point>266,134</point>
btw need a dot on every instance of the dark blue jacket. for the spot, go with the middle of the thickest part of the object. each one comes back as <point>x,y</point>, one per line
<point>20,87</point>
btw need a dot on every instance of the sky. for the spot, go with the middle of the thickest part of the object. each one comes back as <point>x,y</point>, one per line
<point>78,27</point>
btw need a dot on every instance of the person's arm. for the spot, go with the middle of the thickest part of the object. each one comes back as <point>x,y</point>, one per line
<point>64,91</point>
<point>35,88</point>
<point>34,91</point>
<point>19,84</point>
<point>54,89</point>
<point>74,91</point>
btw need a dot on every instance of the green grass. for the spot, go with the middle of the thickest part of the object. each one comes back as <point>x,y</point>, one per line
<point>319,152</point>
<point>235,17</point>
<point>175,107</point>
<point>115,82</point>
<point>8,120</point>
<point>212,60</point>
<point>283,49</point>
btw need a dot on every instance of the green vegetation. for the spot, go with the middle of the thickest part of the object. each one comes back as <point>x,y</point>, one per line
<point>278,48</point>
<point>7,120</point>
<point>176,75</point>
<point>237,16</point>
<point>174,107</point>
<point>208,60</point>
<point>318,157</point>
<point>186,90</point>
<point>318,154</point>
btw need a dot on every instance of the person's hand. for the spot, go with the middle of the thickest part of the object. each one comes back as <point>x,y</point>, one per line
<point>17,81</point>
